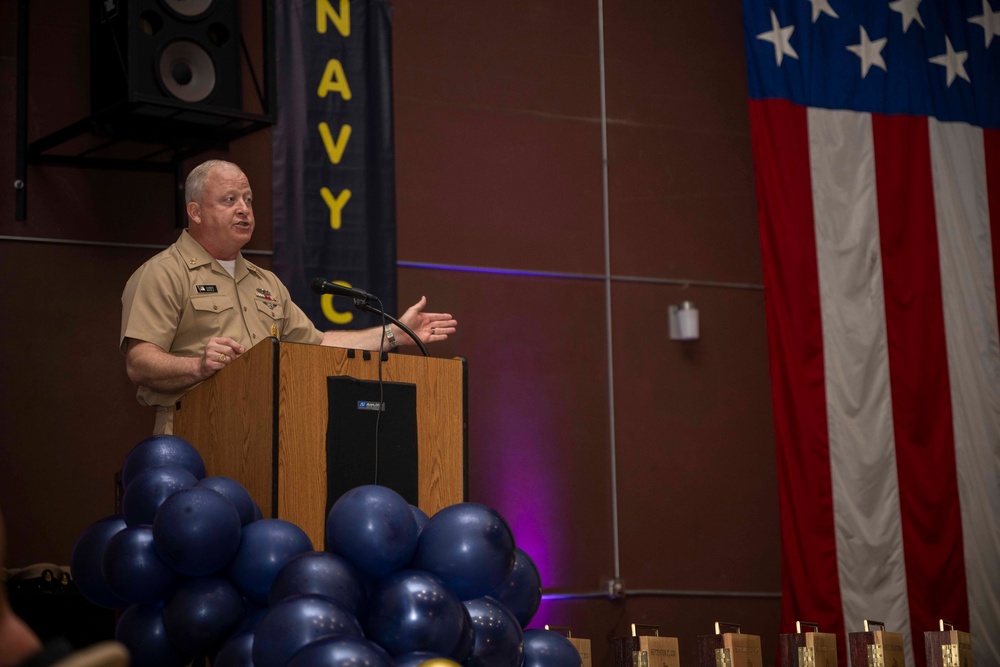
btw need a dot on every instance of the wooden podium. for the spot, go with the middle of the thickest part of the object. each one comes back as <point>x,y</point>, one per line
<point>263,422</point>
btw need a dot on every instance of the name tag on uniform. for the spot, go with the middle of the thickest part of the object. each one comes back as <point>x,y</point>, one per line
<point>206,289</point>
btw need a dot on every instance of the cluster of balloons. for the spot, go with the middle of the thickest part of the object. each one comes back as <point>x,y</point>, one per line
<point>199,573</point>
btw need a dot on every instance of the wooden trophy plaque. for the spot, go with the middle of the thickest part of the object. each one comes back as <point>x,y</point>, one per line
<point>876,648</point>
<point>582,646</point>
<point>808,649</point>
<point>948,648</point>
<point>729,649</point>
<point>646,650</point>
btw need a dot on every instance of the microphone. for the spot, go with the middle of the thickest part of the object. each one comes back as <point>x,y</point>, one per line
<point>321,286</point>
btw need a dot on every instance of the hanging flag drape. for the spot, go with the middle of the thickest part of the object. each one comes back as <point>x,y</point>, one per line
<point>877,156</point>
<point>333,156</point>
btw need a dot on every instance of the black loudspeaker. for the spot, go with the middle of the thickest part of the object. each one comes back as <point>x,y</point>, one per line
<point>173,53</point>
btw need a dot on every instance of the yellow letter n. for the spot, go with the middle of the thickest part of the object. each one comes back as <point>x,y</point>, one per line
<point>342,20</point>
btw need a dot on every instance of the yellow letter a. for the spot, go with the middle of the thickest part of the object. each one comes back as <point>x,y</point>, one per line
<point>334,80</point>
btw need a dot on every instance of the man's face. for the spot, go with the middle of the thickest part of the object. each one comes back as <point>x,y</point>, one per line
<point>223,220</point>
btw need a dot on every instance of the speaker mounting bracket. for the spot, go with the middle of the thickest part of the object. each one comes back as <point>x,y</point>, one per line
<point>141,133</point>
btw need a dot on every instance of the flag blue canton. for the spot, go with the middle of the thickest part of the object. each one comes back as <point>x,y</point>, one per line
<point>938,58</point>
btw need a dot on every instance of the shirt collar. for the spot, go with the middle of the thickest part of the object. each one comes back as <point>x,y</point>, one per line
<point>195,256</point>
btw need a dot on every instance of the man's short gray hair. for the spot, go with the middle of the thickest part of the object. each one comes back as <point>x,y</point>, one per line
<point>194,186</point>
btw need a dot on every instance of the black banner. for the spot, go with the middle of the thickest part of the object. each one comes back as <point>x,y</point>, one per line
<point>333,160</point>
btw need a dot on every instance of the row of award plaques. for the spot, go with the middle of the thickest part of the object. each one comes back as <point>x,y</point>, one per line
<point>729,647</point>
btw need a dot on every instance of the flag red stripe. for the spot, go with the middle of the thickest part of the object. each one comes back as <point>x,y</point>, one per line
<point>810,585</point>
<point>918,363</point>
<point>991,141</point>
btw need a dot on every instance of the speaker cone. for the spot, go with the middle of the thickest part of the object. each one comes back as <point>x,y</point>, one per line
<point>188,8</point>
<point>187,71</point>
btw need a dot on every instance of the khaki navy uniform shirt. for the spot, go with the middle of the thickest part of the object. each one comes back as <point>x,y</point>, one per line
<point>182,297</point>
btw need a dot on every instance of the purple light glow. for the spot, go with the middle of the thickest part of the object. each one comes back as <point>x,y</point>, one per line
<point>524,478</point>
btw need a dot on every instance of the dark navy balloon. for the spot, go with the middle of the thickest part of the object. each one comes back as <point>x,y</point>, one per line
<point>293,623</point>
<point>412,611</point>
<point>545,648</point>
<point>463,648</point>
<point>201,614</point>
<point>521,591</point>
<point>420,516</point>
<point>341,651</point>
<point>141,630</point>
<point>197,531</point>
<point>321,573</point>
<point>372,527</point>
<point>134,570</point>
<point>162,450</point>
<point>235,493</point>
<point>150,489</point>
<point>468,545</point>
<point>236,652</point>
<point>86,562</point>
<point>265,547</point>
<point>499,640</point>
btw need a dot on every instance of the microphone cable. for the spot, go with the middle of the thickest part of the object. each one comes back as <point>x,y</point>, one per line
<point>381,385</point>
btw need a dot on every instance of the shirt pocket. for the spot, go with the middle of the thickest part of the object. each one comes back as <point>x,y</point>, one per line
<point>213,315</point>
<point>271,309</point>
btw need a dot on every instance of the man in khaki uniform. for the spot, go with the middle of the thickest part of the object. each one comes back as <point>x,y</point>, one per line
<point>193,308</point>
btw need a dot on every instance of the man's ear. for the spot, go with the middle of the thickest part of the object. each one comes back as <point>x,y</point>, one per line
<point>194,212</point>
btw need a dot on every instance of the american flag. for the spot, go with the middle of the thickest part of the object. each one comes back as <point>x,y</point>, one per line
<point>876,140</point>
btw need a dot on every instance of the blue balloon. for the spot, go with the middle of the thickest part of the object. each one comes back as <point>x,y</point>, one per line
<point>201,614</point>
<point>463,649</point>
<point>296,622</point>
<point>141,630</point>
<point>468,545</point>
<point>545,648</point>
<point>420,516</point>
<point>235,493</point>
<point>499,640</point>
<point>236,652</point>
<point>341,651</point>
<point>265,547</point>
<point>133,569</point>
<point>162,450</point>
<point>521,591</point>
<point>321,573</point>
<point>86,562</point>
<point>372,527</point>
<point>197,531</point>
<point>252,617</point>
<point>412,611</point>
<point>150,489</point>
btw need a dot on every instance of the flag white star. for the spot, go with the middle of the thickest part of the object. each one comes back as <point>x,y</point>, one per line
<point>870,52</point>
<point>779,37</point>
<point>953,61</point>
<point>823,6</point>
<point>910,11</point>
<point>990,21</point>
